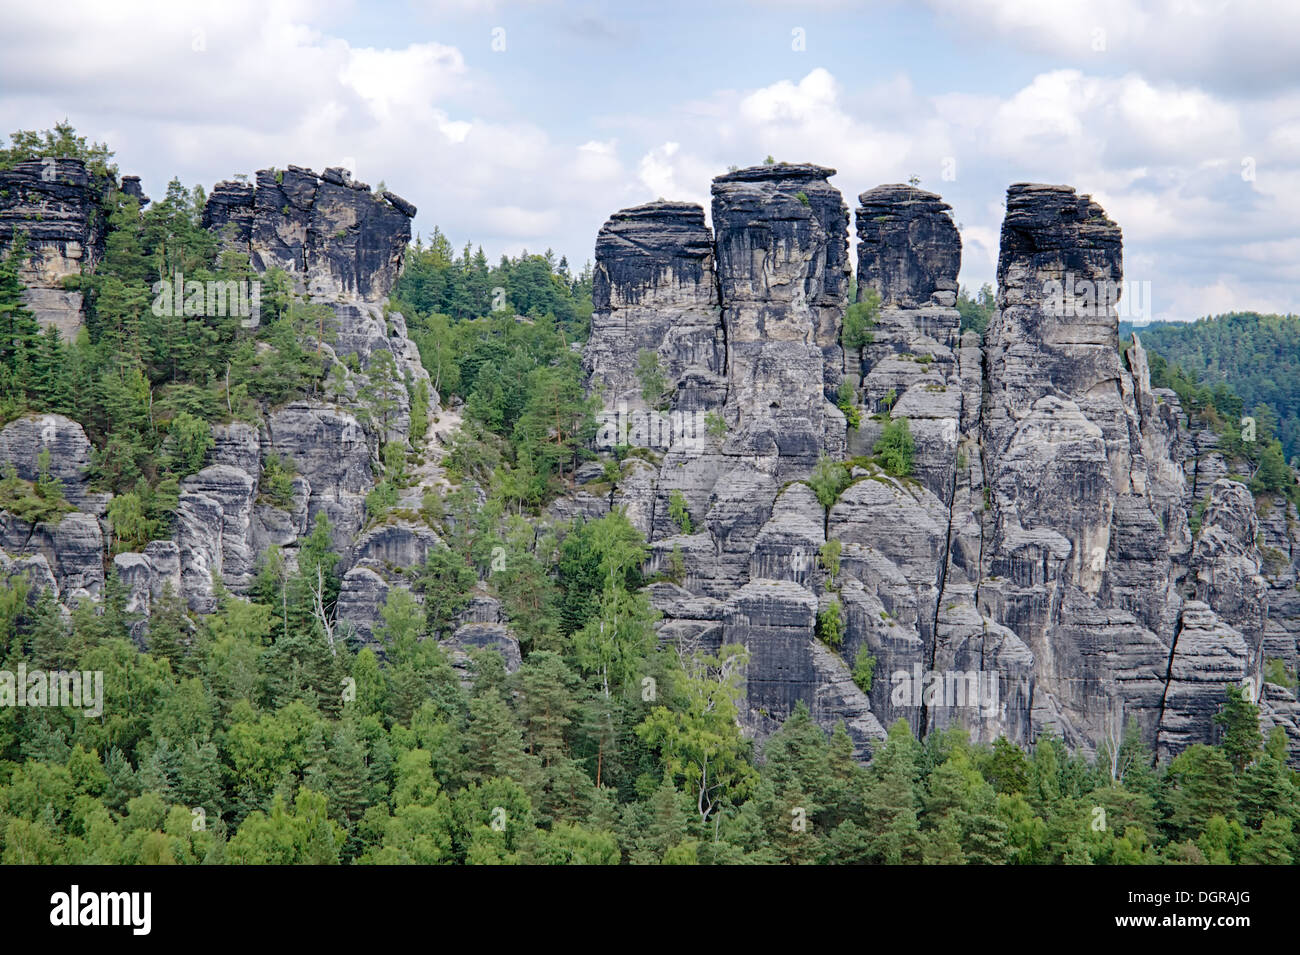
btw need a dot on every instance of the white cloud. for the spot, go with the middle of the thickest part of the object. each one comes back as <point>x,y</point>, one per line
<point>1243,45</point>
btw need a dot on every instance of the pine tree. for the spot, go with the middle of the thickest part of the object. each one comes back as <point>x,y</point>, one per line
<point>1273,844</point>
<point>894,835</point>
<point>1240,721</point>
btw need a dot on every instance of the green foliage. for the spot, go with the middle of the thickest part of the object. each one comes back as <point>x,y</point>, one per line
<point>828,479</point>
<point>35,502</point>
<point>528,419</point>
<point>678,512</point>
<point>830,625</point>
<point>603,746</point>
<point>864,668</point>
<point>380,500</point>
<point>446,581</point>
<point>698,742</point>
<point>277,480</point>
<point>189,441</point>
<point>1276,672</point>
<point>1256,358</point>
<point>846,401</point>
<point>895,447</point>
<point>1240,721</point>
<point>829,556</point>
<point>858,320</point>
<point>651,377</point>
<point>715,425</point>
<point>437,281</point>
<point>977,312</point>
<point>419,393</point>
<point>61,142</point>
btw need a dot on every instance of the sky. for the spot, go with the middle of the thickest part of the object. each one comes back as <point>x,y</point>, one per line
<point>523,124</point>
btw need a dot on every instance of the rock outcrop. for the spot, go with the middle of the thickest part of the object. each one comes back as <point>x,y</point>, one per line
<point>331,234</point>
<point>745,332</point>
<point>23,440</point>
<point>343,246</point>
<point>56,205</point>
<point>1036,570</point>
<point>655,295</point>
<point>783,271</point>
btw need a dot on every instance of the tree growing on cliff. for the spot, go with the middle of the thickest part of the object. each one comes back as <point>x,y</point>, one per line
<point>828,479</point>
<point>382,392</point>
<point>895,448</point>
<point>830,625</point>
<point>678,512</point>
<point>697,738</point>
<point>61,142</point>
<point>858,321</point>
<point>446,581</point>
<point>651,376</point>
<point>977,312</point>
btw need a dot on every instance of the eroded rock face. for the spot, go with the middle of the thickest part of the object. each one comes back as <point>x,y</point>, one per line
<point>909,247</point>
<point>1038,559</point>
<point>1040,550</point>
<point>1077,561</point>
<point>1279,524</point>
<point>329,447</point>
<point>55,204</point>
<point>1226,564</point>
<point>380,560</point>
<point>656,300</point>
<point>362,593</point>
<point>909,253</point>
<point>147,576</point>
<point>233,490</point>
<point>23,440</point>
<point>745,329</point>
<point>332,234</point>
<point>1208,655</point>
<point>782,254</point>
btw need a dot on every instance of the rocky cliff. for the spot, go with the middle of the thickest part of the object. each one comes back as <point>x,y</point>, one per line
<point>344,247</point>
<point>332,234</point>
<point>1034,571</point>
<point>56,206</point>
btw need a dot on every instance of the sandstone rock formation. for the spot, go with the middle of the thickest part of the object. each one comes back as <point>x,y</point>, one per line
<point>1039,554</point>
<point>331,234</point>
<point>55,204</point>
<point>344,247</point>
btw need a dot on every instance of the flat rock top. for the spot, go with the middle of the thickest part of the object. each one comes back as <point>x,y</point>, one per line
<point>902,194</point>
<point>776,172</point>
<point>1042,217</point>
<point>660,209</point>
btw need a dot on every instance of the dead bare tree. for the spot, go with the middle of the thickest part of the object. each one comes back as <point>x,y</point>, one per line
<point>318,608</point>
<point>1119,759</point>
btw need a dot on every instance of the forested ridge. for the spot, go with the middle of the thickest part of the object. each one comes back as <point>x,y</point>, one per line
<point>1256,356</point>
<point>251,735</point>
